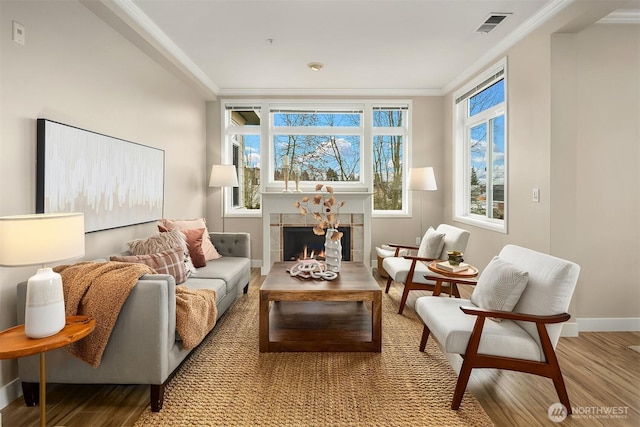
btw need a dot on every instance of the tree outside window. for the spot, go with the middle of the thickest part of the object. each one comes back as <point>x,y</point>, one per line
<point>324,145</point>
<point>388,157</point>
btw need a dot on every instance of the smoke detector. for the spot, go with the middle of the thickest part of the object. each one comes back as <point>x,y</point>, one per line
<point>491,22</point>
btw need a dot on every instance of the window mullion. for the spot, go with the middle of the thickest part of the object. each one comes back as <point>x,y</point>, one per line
<point>489,155</point>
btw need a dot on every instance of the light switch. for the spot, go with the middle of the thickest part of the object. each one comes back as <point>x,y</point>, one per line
<point>536,195</point>
<point>18,33</point>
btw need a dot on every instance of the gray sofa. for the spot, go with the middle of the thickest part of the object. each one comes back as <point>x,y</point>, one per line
<point>144,347</point>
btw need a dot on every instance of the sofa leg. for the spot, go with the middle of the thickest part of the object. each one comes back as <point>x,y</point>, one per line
<point>156,393</point>
<point>246,288</point>
<point>31,393</point>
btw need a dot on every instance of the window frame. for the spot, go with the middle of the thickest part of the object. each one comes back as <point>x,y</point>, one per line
<point>319,106</point>
<point>266,132</point>
<point>405,131</point>
<point>230,130</point>
<point>462,123</point>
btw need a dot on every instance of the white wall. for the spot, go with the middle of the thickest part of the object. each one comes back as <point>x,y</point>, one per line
<point>76,70</point>
<point>599,69</point>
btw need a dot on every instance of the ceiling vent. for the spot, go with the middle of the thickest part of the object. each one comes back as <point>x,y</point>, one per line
<point>491,22</point>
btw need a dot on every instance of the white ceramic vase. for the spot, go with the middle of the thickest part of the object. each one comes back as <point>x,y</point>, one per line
<point>332,251</point>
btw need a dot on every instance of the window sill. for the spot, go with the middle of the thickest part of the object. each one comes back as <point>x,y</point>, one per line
<point>500,227</point>
<point>244,213</point>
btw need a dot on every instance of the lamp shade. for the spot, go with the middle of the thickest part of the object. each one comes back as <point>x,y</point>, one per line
<point>223,176</point>
<point>40,238</point>
<point>422,179</point>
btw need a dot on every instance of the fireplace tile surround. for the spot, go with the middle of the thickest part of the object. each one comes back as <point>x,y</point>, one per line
<point>279,221</point>
<point>279,212</point>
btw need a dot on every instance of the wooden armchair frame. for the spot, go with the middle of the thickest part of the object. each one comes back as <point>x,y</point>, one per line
<point>410,285</point>
<point>471,358</point>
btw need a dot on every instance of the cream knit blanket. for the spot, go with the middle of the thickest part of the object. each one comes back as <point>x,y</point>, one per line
<point>99,289</point>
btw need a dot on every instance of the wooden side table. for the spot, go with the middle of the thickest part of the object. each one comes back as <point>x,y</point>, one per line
<point>14,343</point>
<point>465,277</point>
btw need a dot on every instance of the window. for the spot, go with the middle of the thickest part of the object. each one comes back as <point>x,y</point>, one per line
<point>480,151</point>
<point>356,145</point>
<point>242,132</point>
<point>389,135</point>
<point>321,144</point>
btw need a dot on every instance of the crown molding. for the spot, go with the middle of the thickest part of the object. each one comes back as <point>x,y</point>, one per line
<point>138,22</point>
<point>331,92</point>
<point>621,16</point>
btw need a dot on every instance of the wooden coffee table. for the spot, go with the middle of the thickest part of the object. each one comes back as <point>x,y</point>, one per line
<point>344,314</point>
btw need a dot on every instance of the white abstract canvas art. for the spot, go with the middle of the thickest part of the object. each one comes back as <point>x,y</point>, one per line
<point>114,182</point>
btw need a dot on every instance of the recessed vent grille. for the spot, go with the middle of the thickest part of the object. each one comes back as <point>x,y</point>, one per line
<point>491,22</point>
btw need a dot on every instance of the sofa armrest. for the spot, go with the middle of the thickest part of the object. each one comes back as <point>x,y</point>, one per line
<point>232,244</point>
<point>143,336</point>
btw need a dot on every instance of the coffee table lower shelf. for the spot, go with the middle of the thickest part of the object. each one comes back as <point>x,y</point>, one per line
<point>339,326</point>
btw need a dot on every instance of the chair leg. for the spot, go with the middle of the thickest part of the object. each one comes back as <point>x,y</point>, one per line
<point>461,385</point>
<point>425,337</point>
<point>389,280</point>
<point>554,366</point>
<point>403,301</point>
<point>468,363</point>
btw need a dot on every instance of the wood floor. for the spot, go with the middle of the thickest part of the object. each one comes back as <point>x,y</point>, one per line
<point>601,373</point>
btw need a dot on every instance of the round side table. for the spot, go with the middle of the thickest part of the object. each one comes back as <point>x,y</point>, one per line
<point>466,277</point>
<point>14,343</point>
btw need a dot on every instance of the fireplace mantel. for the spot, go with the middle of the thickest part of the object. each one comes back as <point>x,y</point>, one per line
<point>278,210</point>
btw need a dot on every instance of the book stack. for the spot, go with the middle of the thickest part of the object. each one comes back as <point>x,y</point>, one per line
<point>452,268</point>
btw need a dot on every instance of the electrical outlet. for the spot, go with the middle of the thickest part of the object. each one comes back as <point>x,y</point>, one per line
<point>418,240</point>
<point>18,33</point>
<point>536,195</point>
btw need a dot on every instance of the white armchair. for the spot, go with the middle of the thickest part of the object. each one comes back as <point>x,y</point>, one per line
<point>410,270</point>
<point>537,287</point>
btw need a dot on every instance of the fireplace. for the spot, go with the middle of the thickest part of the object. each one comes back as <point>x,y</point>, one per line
<point>300,243</point>
<point>279,211</point>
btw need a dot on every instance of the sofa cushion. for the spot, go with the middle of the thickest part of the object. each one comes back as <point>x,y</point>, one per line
<point>165,262</point>
<point>499,286</point>
<point>162,242</point>
<point>431,244</point>
<point>229,269</point>
<point>452,329</point>
<point>194,244</point>
<point>209,250</point>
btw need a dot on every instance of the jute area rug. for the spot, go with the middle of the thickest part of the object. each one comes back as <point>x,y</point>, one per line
<point>228,382</point>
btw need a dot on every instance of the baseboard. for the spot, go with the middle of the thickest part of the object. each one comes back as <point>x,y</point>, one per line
<point>256,263</point>
<point>604,324</point>
<point>10,392</point>
<point>570,329</point>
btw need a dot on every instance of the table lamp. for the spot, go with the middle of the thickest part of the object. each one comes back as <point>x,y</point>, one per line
<point>223,176</point>
<point>42,239</point>
<point>422,179</point>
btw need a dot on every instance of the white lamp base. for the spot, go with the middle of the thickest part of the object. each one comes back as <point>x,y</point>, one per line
<point>44,311</point>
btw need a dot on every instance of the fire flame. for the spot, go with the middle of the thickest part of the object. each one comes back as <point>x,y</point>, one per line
<point>306,254</point>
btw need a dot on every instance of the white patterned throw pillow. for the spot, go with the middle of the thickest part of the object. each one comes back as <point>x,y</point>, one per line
<point>499,286</point>
<point>431,244</point>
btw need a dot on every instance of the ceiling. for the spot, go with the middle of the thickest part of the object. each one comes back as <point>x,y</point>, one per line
<point>372,47</point>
